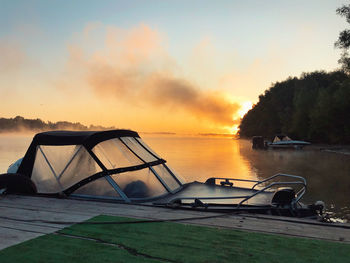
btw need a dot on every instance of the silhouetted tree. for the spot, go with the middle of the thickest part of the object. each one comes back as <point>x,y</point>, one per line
<point>343,41</point>
<point>21,124</point>
<point>313,107</point>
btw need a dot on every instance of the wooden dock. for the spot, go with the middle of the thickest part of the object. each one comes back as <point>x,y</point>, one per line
<point>26,217</point>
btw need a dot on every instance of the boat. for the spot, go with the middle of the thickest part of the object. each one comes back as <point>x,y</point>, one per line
<point>118,166</point>
<point>284,142</point>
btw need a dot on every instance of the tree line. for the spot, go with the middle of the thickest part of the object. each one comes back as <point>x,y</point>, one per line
<point>21,124</point>
<point>313,107</point>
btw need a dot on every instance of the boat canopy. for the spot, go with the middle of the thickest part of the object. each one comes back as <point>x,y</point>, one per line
<point>113,164</point>
<point>281,137</point>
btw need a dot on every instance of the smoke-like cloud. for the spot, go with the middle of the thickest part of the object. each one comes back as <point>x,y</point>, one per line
<point>179,93</point>
<point>133,66</point>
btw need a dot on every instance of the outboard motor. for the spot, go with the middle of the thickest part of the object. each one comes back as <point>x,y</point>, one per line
<point>319,207</point>
<point>283,196</point>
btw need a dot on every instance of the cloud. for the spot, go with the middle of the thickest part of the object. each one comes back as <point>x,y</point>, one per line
<point>179,93</point>
<point>133,66</point>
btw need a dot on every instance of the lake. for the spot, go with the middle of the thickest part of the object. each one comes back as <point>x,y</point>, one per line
<point>198,158</point>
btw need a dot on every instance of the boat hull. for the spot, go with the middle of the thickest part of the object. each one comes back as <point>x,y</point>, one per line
<point>297,145</point>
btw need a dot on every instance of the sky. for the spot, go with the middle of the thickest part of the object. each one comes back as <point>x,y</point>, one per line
<point>187,67</point>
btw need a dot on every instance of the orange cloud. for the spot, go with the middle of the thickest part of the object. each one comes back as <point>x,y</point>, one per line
<point>132,67</point>
<point>165,90</point>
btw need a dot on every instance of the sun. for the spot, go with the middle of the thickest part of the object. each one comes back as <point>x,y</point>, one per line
<point>245,107</point>
<point>234,129</point>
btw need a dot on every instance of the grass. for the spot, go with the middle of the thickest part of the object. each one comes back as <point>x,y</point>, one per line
<point>170,242</point>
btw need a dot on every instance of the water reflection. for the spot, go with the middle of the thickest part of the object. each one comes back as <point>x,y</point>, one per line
<point>327,174</point>
<point>201,158</point>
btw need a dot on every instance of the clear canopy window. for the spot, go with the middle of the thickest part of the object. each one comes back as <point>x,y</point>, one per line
<point>113,154</point>
<point>58,167</point>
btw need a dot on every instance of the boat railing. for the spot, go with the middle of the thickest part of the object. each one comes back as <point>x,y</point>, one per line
<point>299,194</point>
<point>227,182</point>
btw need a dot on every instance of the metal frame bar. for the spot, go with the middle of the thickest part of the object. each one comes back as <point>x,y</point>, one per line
<point>51,168</point>
<point>117,188</point>
<point>172,174</point>
<point>107,176</point>
<point>97,197</point>
<point>165,166</point>
<point>103,152</point>
<point>299,194</point>
<point>160,179</point>
<point>112,182</point>
<point>70,161</point>
<point>153,171</point>
<point>111,172</point>
<point>144,147</point>
<point>280,175</point>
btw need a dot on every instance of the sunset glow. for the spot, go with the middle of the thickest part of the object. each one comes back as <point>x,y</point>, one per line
<point>140,67</point>
<point>245,107</point>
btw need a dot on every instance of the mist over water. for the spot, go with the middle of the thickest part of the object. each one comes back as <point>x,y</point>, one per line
<point>198,158</point>
<point>12,147</point>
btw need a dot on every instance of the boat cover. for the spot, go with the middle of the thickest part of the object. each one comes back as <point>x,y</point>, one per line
<point>113,164</point>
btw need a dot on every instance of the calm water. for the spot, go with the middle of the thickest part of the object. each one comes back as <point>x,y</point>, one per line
<point>327,174</point>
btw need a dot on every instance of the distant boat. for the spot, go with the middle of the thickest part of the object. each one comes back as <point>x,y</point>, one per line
<point>284,142</point>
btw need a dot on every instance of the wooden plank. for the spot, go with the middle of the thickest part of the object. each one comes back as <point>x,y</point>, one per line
<point>10,237</point>
<point>94,208</point>
<point>19,213</point>
<point>282,228</point>
<point>29,227</point>
<point>14,230</point>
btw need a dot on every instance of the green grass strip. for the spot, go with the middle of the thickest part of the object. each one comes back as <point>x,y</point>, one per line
<point>170,242</point>
<point>59,249</point>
